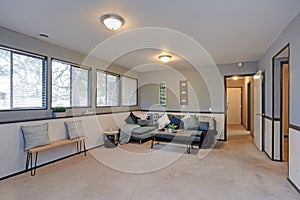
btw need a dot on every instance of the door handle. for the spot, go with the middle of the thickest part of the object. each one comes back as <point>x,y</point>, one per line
<point>260,114</point>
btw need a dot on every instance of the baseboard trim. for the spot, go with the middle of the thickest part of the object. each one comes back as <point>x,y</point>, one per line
<point>276,160</point>
<point>267,155</point>
<point>48,163</point>
<point>291,182</point>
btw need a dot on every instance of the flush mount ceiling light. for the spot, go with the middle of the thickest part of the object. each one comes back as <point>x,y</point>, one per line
<point>235,78</point>
<point>112,21</point>
<point>165,58</point>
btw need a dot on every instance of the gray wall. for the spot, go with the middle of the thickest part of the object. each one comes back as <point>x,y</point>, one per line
<point>199,97</point>
<point>22,42</point>
<point>289,36</point>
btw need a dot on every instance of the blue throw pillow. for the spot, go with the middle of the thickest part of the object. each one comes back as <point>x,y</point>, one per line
<point>203,126</point>
<point>175,121</point>
<point>134,118</point>
<point>129,120</point>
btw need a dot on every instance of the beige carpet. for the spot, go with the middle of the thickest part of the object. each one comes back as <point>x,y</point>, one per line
<point>233,170</point>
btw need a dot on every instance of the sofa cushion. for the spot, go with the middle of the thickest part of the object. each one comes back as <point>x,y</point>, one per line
<point>190,123</point>
<point>35,136</point>
<point>143,122</point>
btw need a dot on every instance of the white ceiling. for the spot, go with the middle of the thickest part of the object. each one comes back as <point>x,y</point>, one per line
<point>230,30</point>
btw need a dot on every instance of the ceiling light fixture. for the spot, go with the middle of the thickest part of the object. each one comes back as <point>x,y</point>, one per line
<point>240,64</point>
<point>112,21</point>
<point>235,78</point>
<point>165,58</point>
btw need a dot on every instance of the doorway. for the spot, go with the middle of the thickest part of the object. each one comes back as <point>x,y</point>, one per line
<point>285,107</point>
<point>280,108</point>
<point>234,106</point>
<point>249,107</point>
<point>238,97</point>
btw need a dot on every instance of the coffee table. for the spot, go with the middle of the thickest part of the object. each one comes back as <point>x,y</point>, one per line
<point>187,138</point>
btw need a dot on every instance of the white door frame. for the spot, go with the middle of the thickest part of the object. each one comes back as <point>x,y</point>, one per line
<point>257,132</point>
<point>225,99</point>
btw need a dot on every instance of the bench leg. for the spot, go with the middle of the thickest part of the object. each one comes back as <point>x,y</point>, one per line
<point>27,161</point>
<point>32,168</point>
<point>80,144</point>
<point>84,148</point>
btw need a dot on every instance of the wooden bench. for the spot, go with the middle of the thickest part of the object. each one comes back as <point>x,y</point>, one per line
<point>80,142</point>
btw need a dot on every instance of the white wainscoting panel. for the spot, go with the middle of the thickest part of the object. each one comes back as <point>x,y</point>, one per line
<point>268,137</point>
<point>277,140</point>
<point>294,157</point>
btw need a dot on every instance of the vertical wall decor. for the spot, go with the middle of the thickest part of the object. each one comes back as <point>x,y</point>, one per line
<point>162,94</point>
<point>184,92</point>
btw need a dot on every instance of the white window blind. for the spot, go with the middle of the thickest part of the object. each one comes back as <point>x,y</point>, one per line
<point>108,93</point>
<point>129,91</point>
<point>70,85</point>
<point>23,81</point>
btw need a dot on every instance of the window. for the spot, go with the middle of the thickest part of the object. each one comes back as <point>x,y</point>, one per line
<point>70,85</point>
<point>108,93</point>
<point>129,91</point>
<point>23,80</point>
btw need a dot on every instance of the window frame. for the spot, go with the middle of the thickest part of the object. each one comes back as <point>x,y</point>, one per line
<point>107,73</point>
<point>44,75</point>
<point>71,66</point>
<point>137,90</point>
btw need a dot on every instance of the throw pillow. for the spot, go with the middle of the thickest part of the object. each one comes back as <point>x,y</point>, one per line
<point>129,120</point>
<point>163,121</point>
<point>134,118</point>
<point>143,122</point>
<point>175,121</point>
<point>203,126</point>
<point>190,123</point>
<point>75,129</point>
<point>35,136</point>
<point>177,116</point>
<point>208,119</point>
<point>154,116</point>
<point>181,126</point>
